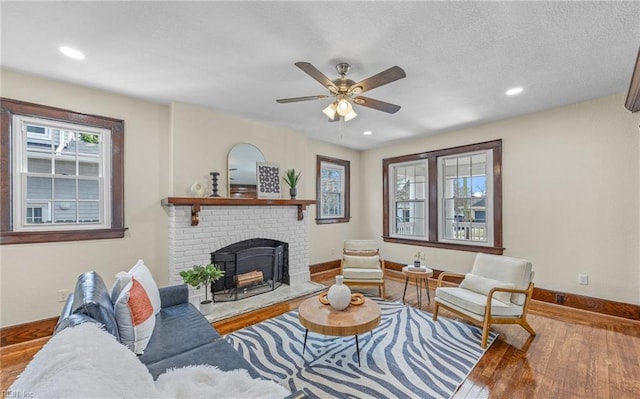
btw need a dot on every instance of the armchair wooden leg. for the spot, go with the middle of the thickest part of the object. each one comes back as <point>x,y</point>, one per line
<point>435,311</point>
<point>381,291</point>
<point>485,333</point>
<point>527,327</point>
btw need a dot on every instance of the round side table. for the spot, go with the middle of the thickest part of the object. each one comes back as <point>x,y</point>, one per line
<point>421,277</point>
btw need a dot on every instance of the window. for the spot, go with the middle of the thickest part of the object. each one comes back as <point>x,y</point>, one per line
<point>62,173</point>
<point>66,169</point>
<point>447,198</point>
<point>332,190</point>
<point>409,198</point>
<point>34,215</point>
<point>464,198</point>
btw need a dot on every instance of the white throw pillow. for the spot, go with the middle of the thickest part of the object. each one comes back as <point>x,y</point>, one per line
<point>135,316</point>
<point>121,281</point>
<point>483,285</point>
<point>361,262</point>
<point>142,273</point>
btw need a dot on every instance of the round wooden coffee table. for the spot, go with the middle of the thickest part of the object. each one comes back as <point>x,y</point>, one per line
<point>323,319</point>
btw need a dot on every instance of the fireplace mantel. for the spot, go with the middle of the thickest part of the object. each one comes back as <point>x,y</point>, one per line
<point>196,203</point>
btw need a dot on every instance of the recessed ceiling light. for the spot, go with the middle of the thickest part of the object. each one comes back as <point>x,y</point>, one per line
<point>71,53</point>
<point>514,91</point>
<point>367,133</point>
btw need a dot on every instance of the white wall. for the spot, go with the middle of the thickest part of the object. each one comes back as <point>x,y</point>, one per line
<point>202,138</point>
<point>327,239</point>
<point>571,193</point>
<point>167,148</point>
<point>571,179</point>
<point>32,274</point>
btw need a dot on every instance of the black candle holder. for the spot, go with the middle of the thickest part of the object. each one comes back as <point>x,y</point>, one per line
<point>214,184</point>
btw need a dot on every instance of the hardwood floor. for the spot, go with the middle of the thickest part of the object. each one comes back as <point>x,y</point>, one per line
<point>576,354</point>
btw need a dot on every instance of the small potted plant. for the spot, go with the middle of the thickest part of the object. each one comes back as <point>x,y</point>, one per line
<point>418,259</point>
<point>203,276</point>
<point>291,178</point>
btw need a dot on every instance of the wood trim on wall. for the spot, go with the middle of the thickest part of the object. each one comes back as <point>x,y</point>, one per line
<point>325,266</point>
<point>27,331</point>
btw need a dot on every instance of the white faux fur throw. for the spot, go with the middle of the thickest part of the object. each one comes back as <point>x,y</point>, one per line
<point>206,382</point>
<point>87,362</point>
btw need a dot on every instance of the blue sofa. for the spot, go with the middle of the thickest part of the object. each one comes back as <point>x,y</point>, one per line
<point>182,335</point>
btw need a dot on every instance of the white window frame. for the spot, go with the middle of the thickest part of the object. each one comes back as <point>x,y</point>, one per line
<point>20,174</point>
<point>488,199</point>
<point>425,202</point>
<point>341,171</point>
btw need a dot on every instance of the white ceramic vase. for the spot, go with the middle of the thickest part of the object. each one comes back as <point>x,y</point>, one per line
<point>339,295</point>
<point>197,190</point>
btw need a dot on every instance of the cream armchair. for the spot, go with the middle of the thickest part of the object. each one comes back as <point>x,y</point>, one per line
<point>361,264</point>
<point>497,291</point>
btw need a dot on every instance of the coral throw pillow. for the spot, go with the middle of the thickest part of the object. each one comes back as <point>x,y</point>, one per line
<point>135,316</point>
<point>142,273</point>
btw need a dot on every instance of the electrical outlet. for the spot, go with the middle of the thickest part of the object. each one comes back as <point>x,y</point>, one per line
<point>62,295</point>
<point>583,279</point>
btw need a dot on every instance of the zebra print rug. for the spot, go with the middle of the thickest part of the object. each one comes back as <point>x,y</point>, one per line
<point>406,356</point>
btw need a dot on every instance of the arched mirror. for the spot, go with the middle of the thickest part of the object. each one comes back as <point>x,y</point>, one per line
<point>241,164</point>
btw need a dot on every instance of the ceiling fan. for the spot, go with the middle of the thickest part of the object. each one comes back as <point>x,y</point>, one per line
<point>345,91</point>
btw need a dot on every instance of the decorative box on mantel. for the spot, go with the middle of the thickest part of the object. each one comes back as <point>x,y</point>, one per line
<point>196,203</point>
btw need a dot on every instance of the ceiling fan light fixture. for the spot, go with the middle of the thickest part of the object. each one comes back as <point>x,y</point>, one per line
<point>343,90</point>
<point>330,110</point>
<point>352,114</point>
<point>344,107</point>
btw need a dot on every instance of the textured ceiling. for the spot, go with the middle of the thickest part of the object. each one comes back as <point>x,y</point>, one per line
<point>237,57</point>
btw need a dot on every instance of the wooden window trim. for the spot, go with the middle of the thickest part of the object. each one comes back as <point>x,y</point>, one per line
<point>347,188</point>
<point>431,157</point>
<point>8,108</point>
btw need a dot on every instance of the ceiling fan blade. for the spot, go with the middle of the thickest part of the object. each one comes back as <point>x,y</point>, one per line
<point>296,99</point>
<point>377,104</point>
<point>390,75</point>
<point>317,75</point>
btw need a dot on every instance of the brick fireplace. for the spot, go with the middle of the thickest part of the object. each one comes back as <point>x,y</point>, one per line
<point>219,226</point>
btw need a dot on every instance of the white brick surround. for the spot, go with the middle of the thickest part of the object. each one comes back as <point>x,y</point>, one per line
<point>220,226</point>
